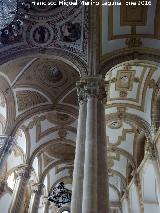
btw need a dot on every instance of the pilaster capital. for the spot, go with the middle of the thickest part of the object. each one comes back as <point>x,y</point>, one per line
<point>126,194</point>
<point>150,150</point>
<point>38,188</point>
<point>92,87</point>
<point>24,172</point>
<point>136,179</point>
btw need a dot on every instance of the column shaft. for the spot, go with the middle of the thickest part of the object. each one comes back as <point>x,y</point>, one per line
<point>89,204</point>
<point>46,207</point>
<point>36,202</point>
<point>77,186</point>
<point>37,196</point>
<point>102,172</point>
<point>139,192</point>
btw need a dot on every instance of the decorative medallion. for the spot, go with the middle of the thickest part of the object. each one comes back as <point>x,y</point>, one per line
<point>125,80</point>
<point>61,151</point>
<point>115,124</point>
<point>41,35</point>
<point>54,74</point>
<point>59,118</point>
<point>62,133</point>
<point>123,94</point>
<point>71,32</point>
<point>133,42</point>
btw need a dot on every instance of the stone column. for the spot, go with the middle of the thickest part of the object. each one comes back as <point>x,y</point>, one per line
<point>77,185</point>
<point>38,191</point>
<point>46,210</point>
<point>102,171</point>
<point>6,146</point>
<point>137,183</point>
<point>94,145</point>
<point>151,154</point>
<point>128,201</point>
<point>23,176</point>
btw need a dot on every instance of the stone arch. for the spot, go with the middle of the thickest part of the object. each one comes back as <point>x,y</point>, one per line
<point>124,153</point>
<point>41,109</point>
<point>10,103</point>
<point>155,113</point>
<point>49,167</point>
<point>71,59</point>
<point>121,57</point>
<point>134,119</point>
<point>66,141</point>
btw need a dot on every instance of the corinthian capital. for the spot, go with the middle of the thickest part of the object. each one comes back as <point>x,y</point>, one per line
<point>92,87</point>
<point>150,150</point>
<point>38,188</point>
<point>24,172</point>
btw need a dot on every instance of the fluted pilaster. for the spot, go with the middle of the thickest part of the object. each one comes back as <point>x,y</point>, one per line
<point>23,175</point>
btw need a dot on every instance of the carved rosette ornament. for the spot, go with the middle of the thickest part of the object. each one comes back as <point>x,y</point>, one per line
<point>94,87</point>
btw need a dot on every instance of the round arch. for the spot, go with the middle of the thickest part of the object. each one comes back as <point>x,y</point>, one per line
<point>56,141</point>
<point>126,56</point>
<point>10,104</point>
<point>42,109</point>
<point>71,59</point>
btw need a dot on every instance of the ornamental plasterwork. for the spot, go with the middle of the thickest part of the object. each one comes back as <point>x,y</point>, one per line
<point>134,120</point>
<point>59,118</point>
<point>124,80</point>
<point>134,90</point>
<point>51,77</point>
<point>124,27</point>
<point>27,99</point>
<point>121,135</point>
<point>58,123</point>
<point>61,151</point>
<point>50,28</point>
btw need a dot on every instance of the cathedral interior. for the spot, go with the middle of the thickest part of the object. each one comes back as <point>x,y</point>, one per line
<point>79,107</point>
